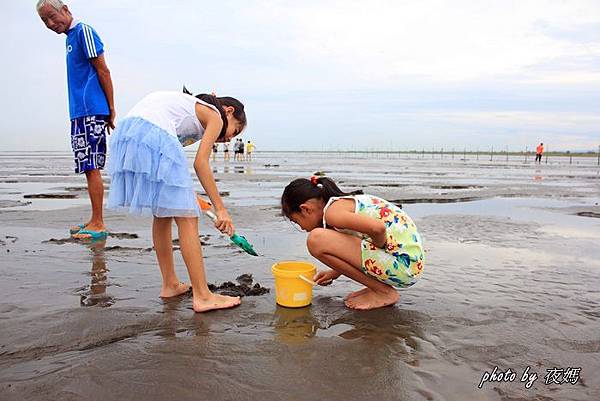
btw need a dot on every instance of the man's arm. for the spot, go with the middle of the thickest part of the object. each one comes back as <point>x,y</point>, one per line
<point>103,72</point>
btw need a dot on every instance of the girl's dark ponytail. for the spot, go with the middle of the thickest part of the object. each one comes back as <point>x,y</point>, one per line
<point>220,102</point>
<point>300,190</point>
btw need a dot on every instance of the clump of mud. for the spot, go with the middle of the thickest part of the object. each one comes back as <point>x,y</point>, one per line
<point>242,289</point>
<point>120,248</point>
<point>62,241</point>
<point>588,214</point>
<point>71,240</point>
<point>124,235</point>
<point>12,203</point>
<point>51,196</point>
<point>438,200</point>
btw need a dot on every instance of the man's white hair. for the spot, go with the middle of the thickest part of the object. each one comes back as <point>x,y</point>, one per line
<point>57,4</point>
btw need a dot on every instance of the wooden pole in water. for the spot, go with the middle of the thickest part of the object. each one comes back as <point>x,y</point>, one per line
<point>526,150</point>
<point>546,154</point>
<point>465,154</point>
<point>492,154</point>
<point>477,154</point>
<point>442,153</point>
<point>599,155</point>
<point>570,157</point>
<point>452,153</point>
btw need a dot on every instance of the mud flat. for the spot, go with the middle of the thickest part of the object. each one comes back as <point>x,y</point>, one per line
<point>511,281</point>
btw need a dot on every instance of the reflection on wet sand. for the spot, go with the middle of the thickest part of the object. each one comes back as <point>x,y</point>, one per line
<point>394,331</point>
<point>96,293</point>
<point>173,325</point>
<point>243,170</point>
<point>294,325</point>
<point>237,169</point>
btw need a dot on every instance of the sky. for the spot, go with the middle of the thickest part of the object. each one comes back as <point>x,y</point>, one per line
<point>333,75</point>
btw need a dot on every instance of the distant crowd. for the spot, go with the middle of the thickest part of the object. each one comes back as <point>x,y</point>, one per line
<point>241,152</point>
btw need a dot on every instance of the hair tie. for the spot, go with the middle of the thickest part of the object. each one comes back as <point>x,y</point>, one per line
<point>315,181</point>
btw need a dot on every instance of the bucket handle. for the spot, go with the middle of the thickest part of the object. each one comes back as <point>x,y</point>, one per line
<point>309,281</point>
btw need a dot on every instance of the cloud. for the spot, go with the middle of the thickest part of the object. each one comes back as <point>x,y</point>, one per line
<point>329,73</point>
<point>586,33</point>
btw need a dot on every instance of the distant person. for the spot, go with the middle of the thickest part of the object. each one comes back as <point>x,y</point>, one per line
<point>539,151</point>
<point>150,176</point>
<point>215,149</point>
<point>242,157</point>
<point>91,105</point>
<point>238,151</point>
<point>249,150</point>
<point>226,151</point>
<point>365,238</point>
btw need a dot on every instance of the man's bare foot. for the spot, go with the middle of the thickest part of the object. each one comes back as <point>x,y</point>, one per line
<point>215,301</point>
<point>356,293</point>
<point>371,299</point>
<point>175,291</point>
<point>98,227</point>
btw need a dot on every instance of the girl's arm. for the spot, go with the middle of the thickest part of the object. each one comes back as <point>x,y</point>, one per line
<point>340,214</point>
<point>212,123</point>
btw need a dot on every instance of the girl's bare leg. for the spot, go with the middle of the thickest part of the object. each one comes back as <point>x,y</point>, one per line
<point>163,245</point>
<point>204,300</point>
<point>342,253</point>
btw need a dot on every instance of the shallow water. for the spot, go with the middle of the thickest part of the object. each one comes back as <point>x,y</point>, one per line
<point>511,281</point>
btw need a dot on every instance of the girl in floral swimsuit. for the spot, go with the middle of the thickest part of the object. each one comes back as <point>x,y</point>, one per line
<point>366,238</point>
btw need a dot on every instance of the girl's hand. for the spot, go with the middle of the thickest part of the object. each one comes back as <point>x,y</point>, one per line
<point>379,237</point>
<point>326,278</point>
<point>224,223</point>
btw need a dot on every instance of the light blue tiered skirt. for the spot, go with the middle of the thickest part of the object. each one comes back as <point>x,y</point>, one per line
<point>149,173</point>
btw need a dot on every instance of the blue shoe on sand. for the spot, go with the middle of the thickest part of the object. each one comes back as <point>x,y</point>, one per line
<point>80,227</point>
<point>93,235</point>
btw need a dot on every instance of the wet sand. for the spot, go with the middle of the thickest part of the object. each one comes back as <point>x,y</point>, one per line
<point>511,280</point>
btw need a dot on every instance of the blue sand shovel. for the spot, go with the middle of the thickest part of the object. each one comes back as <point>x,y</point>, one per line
<point>238,240</point>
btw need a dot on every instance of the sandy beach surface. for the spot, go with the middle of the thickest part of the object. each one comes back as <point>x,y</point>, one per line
<point>512,281</point>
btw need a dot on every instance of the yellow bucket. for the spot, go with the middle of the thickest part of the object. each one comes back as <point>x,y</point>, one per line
<point>292,288</point>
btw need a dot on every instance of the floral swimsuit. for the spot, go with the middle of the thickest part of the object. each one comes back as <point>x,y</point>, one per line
<point>400,262</point>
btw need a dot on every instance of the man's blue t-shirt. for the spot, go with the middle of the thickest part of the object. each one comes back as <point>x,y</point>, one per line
<point>86,97</point>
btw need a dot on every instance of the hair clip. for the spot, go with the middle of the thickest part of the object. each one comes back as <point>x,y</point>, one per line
<point>313,180</point>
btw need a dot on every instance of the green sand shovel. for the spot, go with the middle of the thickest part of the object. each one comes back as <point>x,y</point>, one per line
<point>238,240</point>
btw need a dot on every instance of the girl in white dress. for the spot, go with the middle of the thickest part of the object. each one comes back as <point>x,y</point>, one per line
<point>150,176</point>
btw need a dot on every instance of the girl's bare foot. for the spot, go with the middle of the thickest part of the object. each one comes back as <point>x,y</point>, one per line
<point>356,293</point>
<point>371,299</point>
<point>174,291</point>
<point>215,301</point>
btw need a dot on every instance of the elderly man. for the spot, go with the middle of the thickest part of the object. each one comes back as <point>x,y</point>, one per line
<point>91,106</point>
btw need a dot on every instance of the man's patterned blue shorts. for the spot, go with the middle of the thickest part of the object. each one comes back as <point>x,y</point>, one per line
<point>88,140</point>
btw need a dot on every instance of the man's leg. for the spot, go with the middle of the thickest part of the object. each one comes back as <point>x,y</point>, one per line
<point>94,129</point>
<point>96,192</point>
